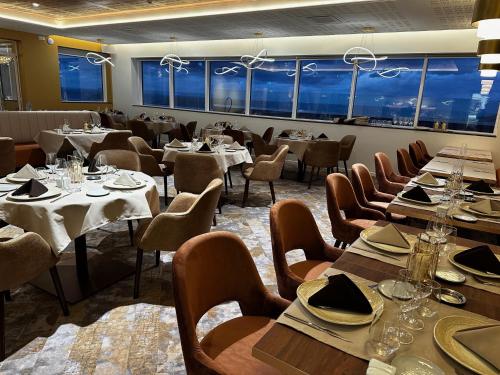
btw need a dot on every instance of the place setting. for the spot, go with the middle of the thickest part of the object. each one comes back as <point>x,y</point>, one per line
<point>417,195</point>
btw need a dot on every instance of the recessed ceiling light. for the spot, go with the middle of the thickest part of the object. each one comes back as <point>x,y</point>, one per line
<point>35,5</point>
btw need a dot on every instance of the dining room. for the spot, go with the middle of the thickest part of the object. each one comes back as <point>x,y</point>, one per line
<point>260,187</point>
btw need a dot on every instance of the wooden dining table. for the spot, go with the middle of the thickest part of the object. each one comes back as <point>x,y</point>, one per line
<point>470,154</point>
<point>295,353</point>
<point>473,170</point>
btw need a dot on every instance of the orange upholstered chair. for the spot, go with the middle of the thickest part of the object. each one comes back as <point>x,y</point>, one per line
<point>293,227</point>
<point>366,192</point>
<point>209,270</point>
<point>340,196</point>
<point>416,155</point>
<point>388,181</point>
<point>405,165</point>
<point>425,153</point>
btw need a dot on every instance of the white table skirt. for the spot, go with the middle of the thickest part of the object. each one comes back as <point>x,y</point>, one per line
<point>64,220</point>
<point>297,146</point>
<point>224,159</point>
<point>50,141</point>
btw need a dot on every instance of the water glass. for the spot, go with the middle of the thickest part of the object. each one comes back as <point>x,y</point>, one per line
<point>383,338</point>
<point>50,161</point>
<point>405,296</point>
<point>428,293</point>
<point>451,241</point>
<point>60,170</point>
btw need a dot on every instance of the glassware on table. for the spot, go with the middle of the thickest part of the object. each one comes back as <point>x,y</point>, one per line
<point>383,338</point>
<point>423,259</point>
<point>194,142</point>
<point>42,171</point>
<point>50,161</point>
<point>75,172</point>
<point>451,241</point>
<point>429,293</point>
<point>405,296</point>
<point>61,172</point>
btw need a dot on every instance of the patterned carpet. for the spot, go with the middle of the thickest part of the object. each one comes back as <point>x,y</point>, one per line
<point>110,333</point>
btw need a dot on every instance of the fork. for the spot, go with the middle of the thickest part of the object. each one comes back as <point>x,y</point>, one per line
<point>484,282</point>
<point>316,326</point>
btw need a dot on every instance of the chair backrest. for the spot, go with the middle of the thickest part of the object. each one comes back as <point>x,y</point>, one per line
<point>175,133</point>
<point>416,154</point>
<point>193,172</point>
<point>362,183</point>
<point>423,148</point>
<point>346,146</point>
<point>149,164</point>
<point>237,135</point>
<point>140,129</point>
<point>405,165</point>
<point>322,154</point>
<point>116,140</point>
<point>186,137</point>
<point>341,193</point>
<point>7,156</point>
<point>209,270</point>
<point>388,181</point>
<point>191,127</point>
<point>139,145</point>
<point>273,168</point>
<point>268,134</point>
<point>122,159</point>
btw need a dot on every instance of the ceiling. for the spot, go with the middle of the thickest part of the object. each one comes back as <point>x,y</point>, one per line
<point>137,21</point>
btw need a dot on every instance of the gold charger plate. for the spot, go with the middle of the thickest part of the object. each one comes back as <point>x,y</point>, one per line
<point>389,248</point>
<point>465,207</point>
<point>471,270</point>
<point>444,330</point>
<point>308,288</point>
<point>435,199</point>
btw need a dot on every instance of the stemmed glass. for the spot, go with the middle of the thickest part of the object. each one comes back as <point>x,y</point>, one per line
<point>384,339</point>
<point>50,161</point>
<point>427,291</point>
<point>60,169</point>
<point>194,142</point>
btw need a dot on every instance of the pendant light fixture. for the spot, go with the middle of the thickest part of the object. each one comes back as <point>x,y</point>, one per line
<point>256,61</point>
<point>173,61</point>
<point>486,18</point>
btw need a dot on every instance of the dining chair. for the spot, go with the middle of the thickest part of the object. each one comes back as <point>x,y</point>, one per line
<point>237,135</point>
<point>340,197</point>
<point>140,129</point>
<point>266,168</point>
<point>423,148</point>
<point>405,165</point>
<point>293,227</point>
<point>187,216</point>
<point>7,156</point>
<point>346,147</point>
<point>268,134</point>
<point>176,133</point>
<point>108,122</point>
<point>191,128</point>
<point>116,140</point>
<point>186,137</point>
<point>210,270</point>
<point>21,260</point>
<point>260,147</point>
<point>416,155</point>
<point>388,181</point>
<point>321,154</point>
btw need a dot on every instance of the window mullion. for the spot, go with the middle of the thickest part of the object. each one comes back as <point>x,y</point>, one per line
<point>420,92</point>
<point>353,90</point>
<point>295,97</point>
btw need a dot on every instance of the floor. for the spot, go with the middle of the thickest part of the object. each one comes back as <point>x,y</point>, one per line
<point>110,333</point>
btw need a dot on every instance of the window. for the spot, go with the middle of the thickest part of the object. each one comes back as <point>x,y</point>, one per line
<point>452,93</point>
<point>272,89</point>
<point>393,100</point>
<point>155,84</point>
<point>227,87</point>
<point>80,80</point>
<point>189,86</point>
<point>324,89</point>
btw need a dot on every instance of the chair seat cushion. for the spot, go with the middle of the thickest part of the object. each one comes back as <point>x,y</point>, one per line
<point>30,153</point>
<point>362,223</point>
<point>248,172</point>
<point>230,345</point>
<point>383,205</point>
<point>310,269</point>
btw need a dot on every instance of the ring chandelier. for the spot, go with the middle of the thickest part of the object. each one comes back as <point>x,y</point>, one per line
<point>97,59</point>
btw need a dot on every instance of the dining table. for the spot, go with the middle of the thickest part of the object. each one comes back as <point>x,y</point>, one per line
<point>296,348</point>
<point>160,127</point>
<point>473,170</point>
<point>470,154</point>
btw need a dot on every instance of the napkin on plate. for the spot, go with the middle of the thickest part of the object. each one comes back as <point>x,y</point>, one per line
<point>126,179</point>
<point>486,206</point>
<point>322,136</point>
<point>176,143</point>
<point>235,146</point>
<point>283,135</point>
<point>480,258</point>
<point>389,235</point>
<point>481,187</point>
<point>27,172</point>
<point>376,367</point>
<point>480,340</point>
<point>417,194</point>
<point>341,293</point>
<point>33,188</point>
<point>205,147</point>
<point>427,178</point>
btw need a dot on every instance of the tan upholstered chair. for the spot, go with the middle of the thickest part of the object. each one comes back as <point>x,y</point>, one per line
<point>140,129</point>
<point>187,216</point>
<point>340,197</point>
<point>7,156</point>
<point>266,168</point>
<point>122,159</point>
<point>260,147</point>
<point>193,172</point>
<point>321,154</point>
<point>405,165</point>
<point>116,140</point>
<point>388,181</point>
<point>425,153</point>
<point>21,260</point>
<point>210,270</point>
<point>416,155</point>
<point>293,227</point>
<point>346,146</point>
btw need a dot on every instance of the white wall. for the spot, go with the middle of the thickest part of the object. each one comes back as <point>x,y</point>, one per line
<point>369,140</point>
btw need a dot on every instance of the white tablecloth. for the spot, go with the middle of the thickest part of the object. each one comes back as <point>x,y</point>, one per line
<point>64,220</point>
<point>159,127</point>
<point>297,146</point>
<point>224,159</point>
<point>50,141</point>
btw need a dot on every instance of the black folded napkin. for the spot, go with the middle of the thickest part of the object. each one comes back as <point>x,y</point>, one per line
<point>93,166</point>
<point>284,135</point>
<point>417,194</point>
<point>162,117</point>
<point>205,147</point>
<point>481,187</point>
<point>322,136</point>
<point>480,258</point>
<point>341,293</point>
<point>33,188</point>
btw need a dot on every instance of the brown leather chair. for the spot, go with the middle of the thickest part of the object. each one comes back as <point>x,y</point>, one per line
<point>140,129</point>
<point>210,270</point>
<point>293,227</point>
<point>260,147</point>
<point>266,168</point>
<point>425,153</point>
<point>416,155</point>
<point>187,216</point>
<point>346,146</point>
<point>108,122</point>
<point>122,159</point>
<point>191,127</point>
<point>7,156</point>
<point>388,181</point>
<point>186,137</point>
<point>116,140</point>
<point>268,135</point>
<point>176,133</point>
<point>21,260</point>
<point>237,135</point>
<point>340,196</point>
<point>498,177</point>
<point>321,154</point>
<point>405,165</point>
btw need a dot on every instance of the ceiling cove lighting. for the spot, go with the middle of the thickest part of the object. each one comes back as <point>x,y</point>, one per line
<point>97,59</point>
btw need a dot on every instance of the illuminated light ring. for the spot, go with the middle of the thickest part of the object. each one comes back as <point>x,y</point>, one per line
<point>309,68</point>
<point>175,62</point>
<point>96,59</point>
<point>393,72</point>
<point>255,62</point>
<point>361,59</point>
<point>225,69</point>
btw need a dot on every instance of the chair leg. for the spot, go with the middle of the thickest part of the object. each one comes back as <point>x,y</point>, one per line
<point>165,187</point>
<point>8,297</point>
<point>214,221</point>
<point>337,243</point>
<point>138,269</point>
<point>219,206</point>
<point>59,290</point>
<point>131,232</point>
<point>344,245</point>
<point>345,167</point>
<point>230,179</point>
<point>317,173</point>
<point>2,327</point>
<point>225,182</point>
<point>271,186</point>
<point>245,194</point>
<point>311,177</point>
<point>157,257</point>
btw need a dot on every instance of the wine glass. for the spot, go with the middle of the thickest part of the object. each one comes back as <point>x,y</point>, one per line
<point>60,169</point>
<point>428,293</point>
<point>50,161</point>
<point>404,295</point>
<point>383,338</point>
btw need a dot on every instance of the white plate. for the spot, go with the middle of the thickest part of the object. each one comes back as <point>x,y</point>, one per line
<point>436,199</point>
<point>206,152</point>
<point>465,206</point>
<point>168,146</point>
<point>10,177</point>
<point>441,183</point>
<point>97,192</point>
<point>112,185</point>
<point>411,365</point>
<point>451,256</point>
<point>7,187</point>
<point>51,193</point>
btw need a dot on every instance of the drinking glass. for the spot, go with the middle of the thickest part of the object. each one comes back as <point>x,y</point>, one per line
<point>383,338</point>
<point>50,161</point>
<point>428,293</point>
<point>60,170</point>
<point>41,172</point>
<point>405,296</point>
<point>451,240</point>
<point>422,261</point>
